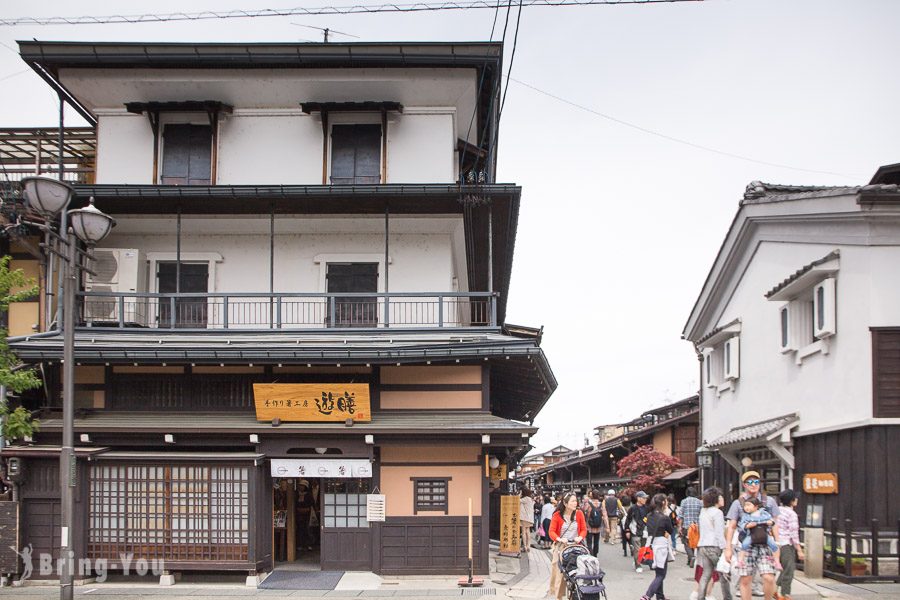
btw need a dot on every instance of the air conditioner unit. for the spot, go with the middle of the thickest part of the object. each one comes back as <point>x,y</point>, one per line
<point>121,270</point>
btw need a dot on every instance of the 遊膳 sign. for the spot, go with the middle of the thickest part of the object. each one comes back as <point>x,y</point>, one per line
<point>510,530</point>
<point>312,402</point>
<point>820,483</point>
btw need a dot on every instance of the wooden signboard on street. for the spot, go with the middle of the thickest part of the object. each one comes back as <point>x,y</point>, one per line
<point>820,483</point>
<point>312,402</point>
<point>510,529</point>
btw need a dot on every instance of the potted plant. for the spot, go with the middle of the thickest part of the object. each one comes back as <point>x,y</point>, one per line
<point>858,566</point>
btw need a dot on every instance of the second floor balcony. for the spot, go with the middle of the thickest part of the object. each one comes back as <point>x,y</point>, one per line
<point>286,311</point>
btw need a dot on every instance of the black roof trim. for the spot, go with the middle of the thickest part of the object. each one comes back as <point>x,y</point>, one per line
<point>365,106</point>
<point>208,106</point>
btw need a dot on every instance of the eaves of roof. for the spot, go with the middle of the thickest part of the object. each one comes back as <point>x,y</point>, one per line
<point>802,271</point>
<point>425,423</point>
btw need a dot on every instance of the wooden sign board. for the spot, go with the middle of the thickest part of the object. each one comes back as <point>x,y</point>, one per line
<point>9,535</point>
<point>312,402</point>
<point>820,483</point>
<point>510,529</point>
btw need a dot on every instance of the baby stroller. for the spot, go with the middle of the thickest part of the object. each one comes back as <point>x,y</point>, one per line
<point>582,572</point>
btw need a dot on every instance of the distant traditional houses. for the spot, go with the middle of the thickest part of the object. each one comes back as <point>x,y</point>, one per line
<point>671,429</point>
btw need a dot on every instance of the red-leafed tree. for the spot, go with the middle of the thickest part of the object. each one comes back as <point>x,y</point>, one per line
<point>646,467</point>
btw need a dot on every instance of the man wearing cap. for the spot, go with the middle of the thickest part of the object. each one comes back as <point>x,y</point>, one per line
<point>759,560</point>
<point>635,526</point>
<point>610,510</point>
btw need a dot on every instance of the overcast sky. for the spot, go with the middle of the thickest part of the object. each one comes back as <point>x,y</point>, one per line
<point>618,227</point>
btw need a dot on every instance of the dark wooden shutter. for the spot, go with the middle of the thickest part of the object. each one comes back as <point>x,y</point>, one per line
<point>187,155</point>
<point>886,372</point>
<point>354,311</point>
<point>356,154</point>
<point>189,312</point>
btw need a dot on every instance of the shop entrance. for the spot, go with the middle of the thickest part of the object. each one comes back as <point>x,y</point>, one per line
<point>296,519</point>
<point>320,523</point>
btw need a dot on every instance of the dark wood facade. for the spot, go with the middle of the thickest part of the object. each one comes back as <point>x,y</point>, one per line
<point>868,480</point>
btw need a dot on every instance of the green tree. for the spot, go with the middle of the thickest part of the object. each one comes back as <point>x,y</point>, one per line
<point>15,287</point>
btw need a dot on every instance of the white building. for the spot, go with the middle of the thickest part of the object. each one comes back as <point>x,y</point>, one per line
<point>798,329</point>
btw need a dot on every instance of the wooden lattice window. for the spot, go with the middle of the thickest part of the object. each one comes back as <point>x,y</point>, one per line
<point>170,512</point>
<point>430,494</point>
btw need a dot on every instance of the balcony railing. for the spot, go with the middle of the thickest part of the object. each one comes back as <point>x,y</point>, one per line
<point>288,311</point>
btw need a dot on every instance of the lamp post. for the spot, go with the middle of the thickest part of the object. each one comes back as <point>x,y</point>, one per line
<point>51,198</point>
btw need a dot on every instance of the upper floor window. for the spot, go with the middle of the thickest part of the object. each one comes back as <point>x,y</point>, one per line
<point>353,278</point>
<point>807,317</point>
<point>186,154</point>
<point>355,154</point>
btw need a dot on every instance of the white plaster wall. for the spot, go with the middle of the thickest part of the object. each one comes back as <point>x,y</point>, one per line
<point>124,149</point>
<point>270,148</point>
<point>420,262</point>
<point>421,148</point>
<point>826,389</point>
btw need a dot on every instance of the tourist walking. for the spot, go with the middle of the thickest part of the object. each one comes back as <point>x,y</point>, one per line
<point>566,527</point>
<point>711,522</point>
<point>593,514</point>
<point>611,507</point>
<point>759,559</point>
<point>659,531</point>
<point>688,513</point>
<point>624,506</point>
<point>635,526</point>
<point>526,517</point>
<point>789,539</point>
<point>547,510</point>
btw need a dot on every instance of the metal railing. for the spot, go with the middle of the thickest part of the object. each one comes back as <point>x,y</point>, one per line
<point>287,311</point>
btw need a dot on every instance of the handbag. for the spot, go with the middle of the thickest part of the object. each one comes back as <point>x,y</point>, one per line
<point>645,554</point>
<point>693,535</point>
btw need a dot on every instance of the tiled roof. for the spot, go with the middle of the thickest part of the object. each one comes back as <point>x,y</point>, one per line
<point>802,271</point>
<point>754,431</point>
<point>759,189</point>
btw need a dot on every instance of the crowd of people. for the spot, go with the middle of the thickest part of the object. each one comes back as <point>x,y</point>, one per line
<point>757,538</point>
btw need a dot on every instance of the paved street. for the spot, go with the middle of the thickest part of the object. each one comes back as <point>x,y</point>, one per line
<point>621,580</point>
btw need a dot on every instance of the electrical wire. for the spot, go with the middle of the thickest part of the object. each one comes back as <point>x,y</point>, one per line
<point>324,10</point>
<point>675,139</point>
<point>512,59</point>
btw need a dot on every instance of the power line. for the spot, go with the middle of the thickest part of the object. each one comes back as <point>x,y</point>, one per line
<point>512,59</point>
<point>324,10</point>
<point>675,139</point>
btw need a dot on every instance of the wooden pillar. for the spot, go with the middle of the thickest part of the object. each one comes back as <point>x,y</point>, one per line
<point>384,128</point>
<point>291,524</point>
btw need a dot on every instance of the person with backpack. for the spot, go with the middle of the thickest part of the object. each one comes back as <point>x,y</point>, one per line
<point>689,514</point>
<point>660,529</point>
<point>611,507</point>
<point>635,524</point>
<point>593,514</point>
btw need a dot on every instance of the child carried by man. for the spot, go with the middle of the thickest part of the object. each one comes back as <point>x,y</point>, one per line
<point>755,530</point>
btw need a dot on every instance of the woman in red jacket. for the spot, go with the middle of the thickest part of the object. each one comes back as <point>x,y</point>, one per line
<point>566,527</point>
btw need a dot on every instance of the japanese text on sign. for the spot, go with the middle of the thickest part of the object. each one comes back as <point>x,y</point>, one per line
<point>311,402</point>
<point>510,530</point>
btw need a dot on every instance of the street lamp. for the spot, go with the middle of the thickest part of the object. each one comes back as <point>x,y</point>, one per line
<point>51,198</point>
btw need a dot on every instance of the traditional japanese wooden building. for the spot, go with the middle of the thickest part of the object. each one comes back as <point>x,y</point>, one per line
<point>303,304</point>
